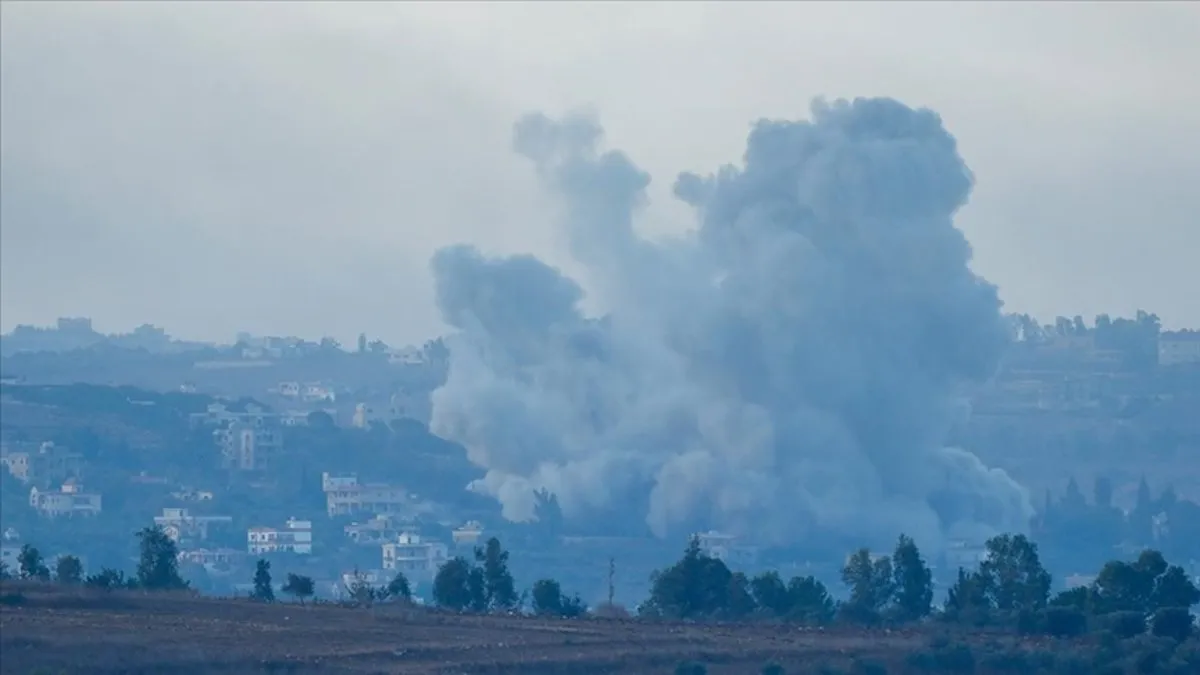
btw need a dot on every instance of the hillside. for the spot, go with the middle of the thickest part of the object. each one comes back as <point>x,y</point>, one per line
<point>50,630</point>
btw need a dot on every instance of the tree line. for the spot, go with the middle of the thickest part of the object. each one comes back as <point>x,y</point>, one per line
<point>1008,588</point>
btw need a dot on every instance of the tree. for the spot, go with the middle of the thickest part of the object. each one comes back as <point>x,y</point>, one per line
<point>548,514</point>
<point>967,599</point>
<point>549,600</point>
<point>1173,589</point>
<point>68,570</point>
<point>299,587</point>
<point>263,591</point>
<point>913,581</point>
<point>1145,585</point>
<point>771,594</point>
<point>1176,623</point>
<point>810,601</point>
<point>740,602</point>
<point>319,419</point>
<point>501,591</point>
<point>399,587</point>
<point>697,586</point>
<point>158,567</point>
<point>1012,574</point>
<point>4,571</point>
<point>872,586</point>
<point>362,343</point>
<point>452,585</point>
<point>477,590</point>
<point>32,565</point>
<point>109,579</point>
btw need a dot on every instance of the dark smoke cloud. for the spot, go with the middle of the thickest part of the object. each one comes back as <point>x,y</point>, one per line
<point>791,366</point>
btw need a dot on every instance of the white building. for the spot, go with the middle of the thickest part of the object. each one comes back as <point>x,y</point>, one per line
<point>377,530</point>
<point>250,445</point>
<point>345,496</point>
<point>468,535</point>
<point>69,500</point>
<point>415,557</point>
<point>9,555</point>
<point>211,557</point>
<point>294,537</point>
<point>182,526</point>
<point>726,547</point>
<point>1179,348</point>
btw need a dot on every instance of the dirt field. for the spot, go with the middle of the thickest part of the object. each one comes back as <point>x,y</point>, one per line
<point>49,630</point>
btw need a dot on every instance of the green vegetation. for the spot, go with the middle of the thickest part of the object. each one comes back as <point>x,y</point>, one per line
<point>486,586</point>
<point>68,570</point>
<point>158,569</point>
<point>1135,617</point>
<point>32,565</point>
<point>263,592</point>
<point>299,587</point>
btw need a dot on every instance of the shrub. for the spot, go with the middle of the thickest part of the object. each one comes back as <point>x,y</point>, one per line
<point>772,669</point>
<point>690,668</point>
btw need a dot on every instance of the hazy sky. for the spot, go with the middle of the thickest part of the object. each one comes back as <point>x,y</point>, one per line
<point>289,168</point>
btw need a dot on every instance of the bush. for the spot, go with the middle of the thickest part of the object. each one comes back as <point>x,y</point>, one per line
<point>772,669</point>
<point>690,668</point>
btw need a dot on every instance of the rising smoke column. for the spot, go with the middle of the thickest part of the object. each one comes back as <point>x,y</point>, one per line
<point>792,366</point>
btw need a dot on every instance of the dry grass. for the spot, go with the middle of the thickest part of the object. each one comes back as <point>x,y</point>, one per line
<point>50,630</point>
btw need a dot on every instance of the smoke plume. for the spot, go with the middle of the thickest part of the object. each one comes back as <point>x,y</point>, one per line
<point>791,366</point>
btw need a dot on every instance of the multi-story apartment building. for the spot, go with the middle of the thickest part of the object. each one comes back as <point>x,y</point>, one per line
<point>468,535</point>
<point>250,445</point>
<point>183,527</point>
<point>418,559</point>
<point>377,530</point>
<point>294,537</point>
<point>47,465</point>
<point>346,496</point>
<point>70,500</point>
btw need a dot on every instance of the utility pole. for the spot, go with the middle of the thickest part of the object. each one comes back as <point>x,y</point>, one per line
<point>612,569</point>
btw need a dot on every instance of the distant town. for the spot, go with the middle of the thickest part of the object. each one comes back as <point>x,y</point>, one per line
<point>319,455</point>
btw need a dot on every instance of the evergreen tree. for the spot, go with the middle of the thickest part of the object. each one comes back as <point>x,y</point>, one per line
<point>31,564</point>
<point>967,599</point>
<point>771,594</point>
<point>68,570</point>
<point>158,567</point>
<point>810,601</point>
<point>399,588</point>
<point>452,585</point>
<point>872,586</point>
<point>697,586</point>
<point>263,591</point>
<point>913,581</point>
<point>500,590</point>
<point>549,600</point>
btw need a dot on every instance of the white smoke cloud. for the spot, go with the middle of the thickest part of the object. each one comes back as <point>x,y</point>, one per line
<point>792,366</point>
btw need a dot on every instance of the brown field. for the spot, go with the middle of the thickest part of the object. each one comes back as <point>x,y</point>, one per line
<point>44,629</point>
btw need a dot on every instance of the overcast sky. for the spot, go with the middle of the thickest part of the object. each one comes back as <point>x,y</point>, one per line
<point>288,168</point>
